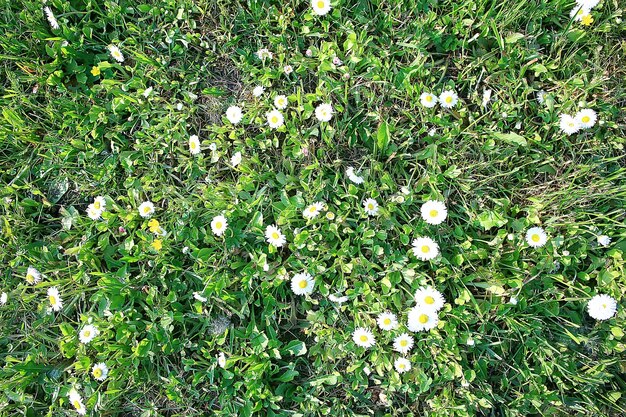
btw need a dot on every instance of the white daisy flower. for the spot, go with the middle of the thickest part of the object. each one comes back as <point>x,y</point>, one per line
<point>448,99</point>
<point>77,402</point>
<point>264,54</point>
<point>486,97</point>
<point>429,298</point>
<point>235,159</point>
<point>428,100</point>
<point>324,112</point>
<point>219,225</point>
<point>536,237</point>
<point>425,249</point>
<point>199,297</point>
<point>99,203</point>
<point>402,365</point>
<point>313,210</point>
<point>302,283</point>
<point>100,371</point>
<point>513,301</point>
<point>234,114</point>
<point>281,102</point>
<point>604,240</point>
<point>51,19</point>
<point>363,337</point>
<point>568,124</point>
<point>88,333</point>
<point>434,212</point>
<point>320,7</point>
<point>470,341</point>
<point>588,4</point>
<point>420,320</point>
<point>146,209</point>
<point>3,298</point>
<point>116,53</point>
<point>403,343</point>
<point>93,213</point>
<point>274,236</point>
<point>586,118</point>
<point>288,69</point>
<point>213,147</point>
<point>32,276</point>
<point>258,91</point>
<point>339,300</point>
<point>578,12</point>
<point>541,97</point>
<point>221,360</point>
<point>194,145</point>
<point>275,119</point>
<point>602,307</point>
<point>55,299</point>
<point>353,177</point>
<point>370,206</point>
<point>387,321</point>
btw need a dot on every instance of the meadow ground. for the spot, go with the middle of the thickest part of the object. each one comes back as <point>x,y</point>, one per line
<point>124,293</point>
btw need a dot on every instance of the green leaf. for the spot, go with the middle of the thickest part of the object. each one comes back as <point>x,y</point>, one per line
<point>383,135</point>
<point>490,219</point>
<point>295,347</point>
<point>512,138</point>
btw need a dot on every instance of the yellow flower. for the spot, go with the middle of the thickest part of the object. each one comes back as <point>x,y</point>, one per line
<point>95,71</point>
<point>157,244</point>
<point>586,20</point>
<point>154,225</point>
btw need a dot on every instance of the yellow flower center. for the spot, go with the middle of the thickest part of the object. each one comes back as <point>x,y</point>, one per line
<point>586,119</point>
<point>193,144</point>
<point>363,338</point>
<point>97,372</point>
<point>313,209</point>
<point>96,205</point>
<point>448,99</point>
<point>146,209</point>
<point>274,119</point>
<point>76,404</point>
<point>403,343</point>
<point>387,321</point>
<point>423,318</point>
<point>433,213</point>
<point>275,235</point>
<point>320,4</point>
<point>218,225</point>
<point>86,333</point>
<point>116,54</point>
<point>425,249</point>
<point>429,300</point>
<point>603,305</point>
<point>429,98</point>
<point>370,206</point>
<point>157,244</point>
<point>303,283</point>
<point>535,237</point>
<point>30,278</point>
<point>53,299</point>
<point>401,366</point>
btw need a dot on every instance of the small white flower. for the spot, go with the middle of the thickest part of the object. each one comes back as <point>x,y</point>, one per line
<point>337,61</point>
<point>77,402</point>
<point>147,92</point>
<point>339,300</point>
<point>568,124</point>
<point>288,69</point>
<point>324,112</point>
<point>274,236</point>
<point>88,333</point>
<point>264,54</point>
<point>235,159</point>
<point>234,114</point>
<point>432,132</point>
<point>448,99</point>
<point>32,276</point>
<point>258,91</point>
<point>578,11</point>
<point>513,301</point>
<point>387,321</point>
<point>434,212</point>
<point>363,337</point>
<point>281,102</point>
<point>589,4</point>
<point>536,237</point>
<point>93,213</point>
<point>486,97</point>
<point>309,53</point>
<point>213,146</point>
<point>541,97</point>
<point>320,7</point>
<point>352,176</point>
<point>116,53</point>
<point>100,203</point>
<point>313,210</point>
<point>424,248</point>
<point>403,343</point>
<point>402,365</point>
<point>429,298</point>
<point>219,225</point>
<point>470,342</point>
<point>100,371</point>
<point>51,19</point>
<point>146,209</point>
<point>194,145</point>
<point>302,283</point>
<point>428,100</point>
<point>420,320</point>
<point>3,298</point>
<point>54,298</point>
<point>370,206</point>
<point>221,360</point>
<point>604,240</point>
<point>602,307</point>
<point>179,106</point>
<point>199,297</point>
<point>275,119</point>
<point>586,118</point>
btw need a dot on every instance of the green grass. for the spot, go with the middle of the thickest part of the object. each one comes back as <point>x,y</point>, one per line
<point>67,136</point>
